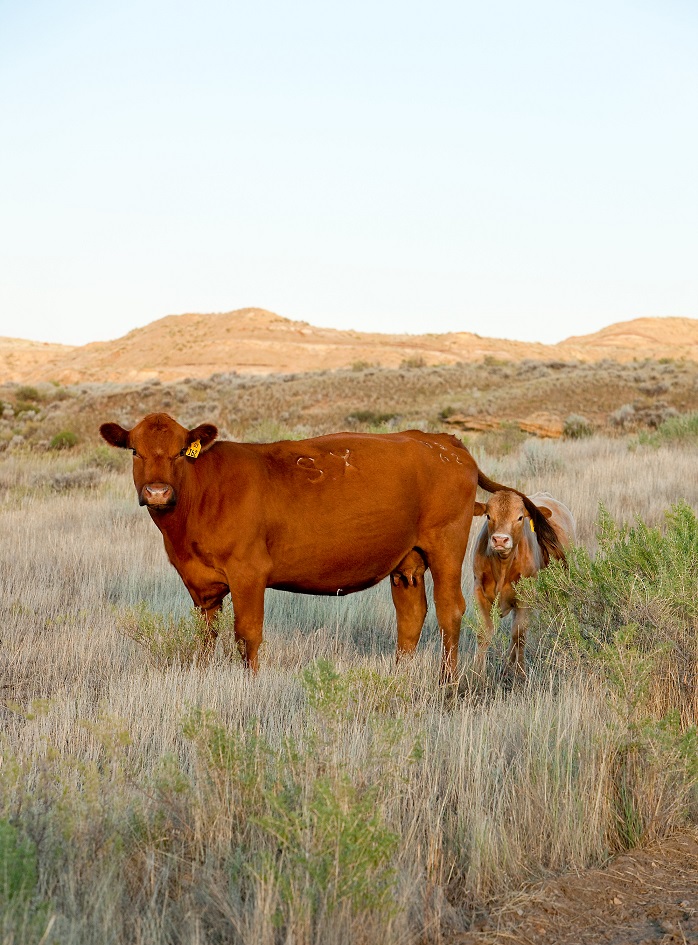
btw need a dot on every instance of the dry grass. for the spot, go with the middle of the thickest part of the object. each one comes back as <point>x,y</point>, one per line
<point>181,804</point>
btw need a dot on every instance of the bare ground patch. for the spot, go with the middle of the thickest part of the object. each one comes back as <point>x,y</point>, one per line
<point>644,897</point>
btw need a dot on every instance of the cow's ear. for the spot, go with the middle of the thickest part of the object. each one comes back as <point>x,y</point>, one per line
<point>480,508</point>
<point>115,435</point>
<point>205,433</point>
<point>547,512</point>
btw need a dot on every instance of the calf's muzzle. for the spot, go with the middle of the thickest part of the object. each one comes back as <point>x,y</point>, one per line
<point>501,542</point>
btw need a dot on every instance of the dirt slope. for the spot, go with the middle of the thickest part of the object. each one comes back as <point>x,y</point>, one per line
<point>645,897</point>
<point>254,341</point>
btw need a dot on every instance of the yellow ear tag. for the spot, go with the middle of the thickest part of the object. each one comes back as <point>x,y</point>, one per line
<point>531,524</point>
<point>194,449</point>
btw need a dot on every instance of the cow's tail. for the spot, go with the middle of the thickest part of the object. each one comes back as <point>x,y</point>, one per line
<point>547,537</point>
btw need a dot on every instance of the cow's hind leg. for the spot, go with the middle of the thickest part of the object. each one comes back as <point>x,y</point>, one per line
<point>410,600</point>
<point>450,607</point>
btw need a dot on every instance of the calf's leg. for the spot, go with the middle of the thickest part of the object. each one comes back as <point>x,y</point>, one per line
<point>485,633</point>
<point>518,642</point>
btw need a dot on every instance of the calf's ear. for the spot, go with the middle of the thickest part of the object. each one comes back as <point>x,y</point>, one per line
<point>205,433</point>
<point>547,512</point>
<point>480,508</point>
<point>115,435</point>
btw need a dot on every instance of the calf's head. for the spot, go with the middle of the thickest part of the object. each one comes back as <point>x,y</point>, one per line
<point>162,450</point>
<point>506,520</point>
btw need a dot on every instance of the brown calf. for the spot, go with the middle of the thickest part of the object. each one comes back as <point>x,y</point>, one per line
<point>507,549</point>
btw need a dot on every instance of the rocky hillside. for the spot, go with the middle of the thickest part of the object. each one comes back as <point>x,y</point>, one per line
<point>505,400</point>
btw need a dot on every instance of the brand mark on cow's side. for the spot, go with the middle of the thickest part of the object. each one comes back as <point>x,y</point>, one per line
<point>444,450</point>
<point>308,464</point>
<point>344,455</point>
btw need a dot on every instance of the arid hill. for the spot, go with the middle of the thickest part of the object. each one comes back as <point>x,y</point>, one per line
<point>254,341</point>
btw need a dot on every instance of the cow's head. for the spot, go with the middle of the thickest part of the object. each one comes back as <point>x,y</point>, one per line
<point>506,520</point>
<point>159,445</point>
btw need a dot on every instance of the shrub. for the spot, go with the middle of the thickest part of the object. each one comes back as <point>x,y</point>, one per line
<point>104,457</point>
<point>539,458</point>
<point>630,616</point>
<point>336,848</point>
<point>632,611</point>
<point>25,406</point>
<point>18,866</point>
<point>271,431</point>
<point>23,915</point>
<point>174,641</point>
<point>503,441</point>
<point>27,393</point>
<point>65,440</point>
<point>414,361</point>
<point>675,430</point>
<point>370,417</point>
<point>77,479</point>
<point>322,841</point>
<point>623,417</point>
<point>577,427</point>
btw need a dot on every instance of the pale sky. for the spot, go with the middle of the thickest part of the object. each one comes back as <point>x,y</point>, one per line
<point>522,170</point>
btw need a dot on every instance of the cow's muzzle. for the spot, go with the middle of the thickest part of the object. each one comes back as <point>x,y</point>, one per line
<point>157,495</point>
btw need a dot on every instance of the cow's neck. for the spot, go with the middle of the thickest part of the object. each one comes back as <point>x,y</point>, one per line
<point>173,523</point>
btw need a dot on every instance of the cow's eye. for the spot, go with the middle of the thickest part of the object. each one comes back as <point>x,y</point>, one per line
<point>183,451</point>
<point>520,518</point>
<point>487,516</point>
<point>134,452</point>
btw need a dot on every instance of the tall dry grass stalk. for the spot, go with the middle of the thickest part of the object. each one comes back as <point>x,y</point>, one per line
<point>331,799</point>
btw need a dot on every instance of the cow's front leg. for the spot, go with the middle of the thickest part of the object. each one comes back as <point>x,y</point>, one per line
<point>210,630</point>
<point>207,591</point>
<point>485,631</point>
<point>518,642</point>
<point>247,589</point>
<point>208,600</point>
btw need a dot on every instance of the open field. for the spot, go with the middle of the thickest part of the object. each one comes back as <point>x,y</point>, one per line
<point>333,799</point>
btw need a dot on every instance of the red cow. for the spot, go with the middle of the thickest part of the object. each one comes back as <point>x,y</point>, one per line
<point>329,515</point>
<point>506,550</point>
